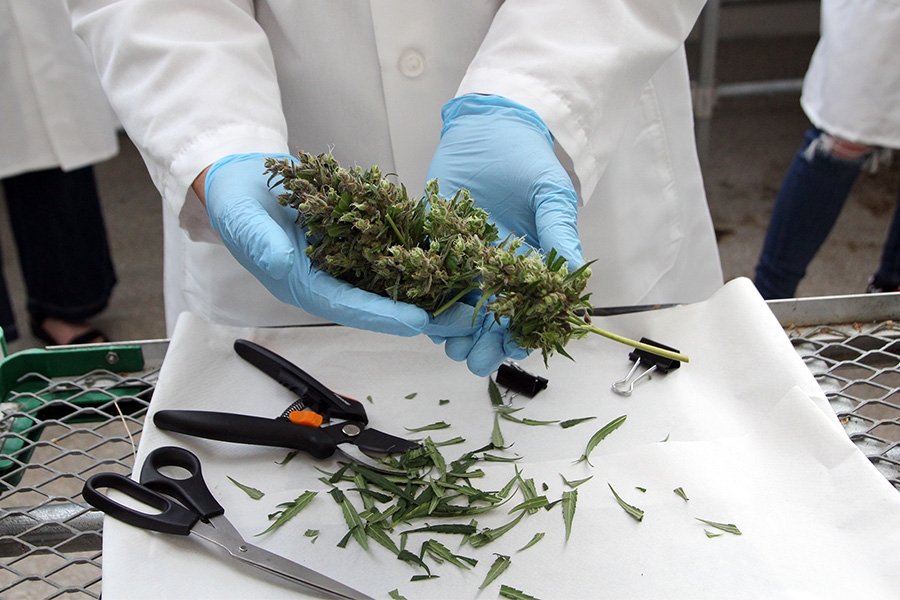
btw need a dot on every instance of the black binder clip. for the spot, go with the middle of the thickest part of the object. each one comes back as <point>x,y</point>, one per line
<point>518,380</point>
<point>651,363</point>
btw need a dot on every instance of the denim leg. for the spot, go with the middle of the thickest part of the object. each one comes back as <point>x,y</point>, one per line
<point>888,275</point>
<point>61,237</point>
<point>808,204</point>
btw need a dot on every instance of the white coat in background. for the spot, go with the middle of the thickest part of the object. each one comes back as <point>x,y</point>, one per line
<point>193,81</point>
<point>53,112</point>
<point>852,86</point>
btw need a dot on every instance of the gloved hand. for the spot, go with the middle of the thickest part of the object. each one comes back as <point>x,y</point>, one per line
<point>502,152</point>
<point>264,238</point>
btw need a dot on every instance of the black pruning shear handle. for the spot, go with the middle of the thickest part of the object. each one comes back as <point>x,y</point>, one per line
<point>312,394</point>
<point>318,423</point>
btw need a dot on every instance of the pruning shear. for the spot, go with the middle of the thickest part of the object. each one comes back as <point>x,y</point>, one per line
<point>198,513</point>
<point>318,423</point>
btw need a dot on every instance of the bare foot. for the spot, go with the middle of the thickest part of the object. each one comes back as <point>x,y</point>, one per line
<point>64,332</point>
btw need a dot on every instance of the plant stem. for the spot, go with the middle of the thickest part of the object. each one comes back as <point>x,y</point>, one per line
<point>390,221</point>
<point>455,298</point>
<point>629,342</point>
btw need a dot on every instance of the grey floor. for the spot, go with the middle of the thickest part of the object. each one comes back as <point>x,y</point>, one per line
<point>753,140</point>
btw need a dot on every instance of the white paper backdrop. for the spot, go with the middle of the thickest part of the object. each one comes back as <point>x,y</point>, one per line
<point>749,437</point>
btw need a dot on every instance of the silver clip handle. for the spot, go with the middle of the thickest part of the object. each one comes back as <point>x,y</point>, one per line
<point>625,386</point>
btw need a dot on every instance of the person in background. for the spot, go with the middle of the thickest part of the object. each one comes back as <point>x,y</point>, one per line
<point>851,94</point>
<point>570,123</point>
<point>55,123</point>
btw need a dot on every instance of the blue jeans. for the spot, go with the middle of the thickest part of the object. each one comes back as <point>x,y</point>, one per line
<point>811,197</point>
<point>63,249</point>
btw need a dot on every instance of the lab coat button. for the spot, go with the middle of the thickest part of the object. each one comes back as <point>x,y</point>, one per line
<point>412,63</point>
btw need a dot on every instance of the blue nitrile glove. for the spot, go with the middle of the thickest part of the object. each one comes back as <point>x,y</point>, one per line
<point>502,152</point>
<point>264,238</point>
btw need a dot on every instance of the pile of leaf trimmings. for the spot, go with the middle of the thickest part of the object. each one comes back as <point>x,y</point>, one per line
<point>433,489</point>
<point>429,251</point>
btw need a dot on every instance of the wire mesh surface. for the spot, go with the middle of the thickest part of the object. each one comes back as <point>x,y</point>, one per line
<point>50,541</point>
<point>858,368</point>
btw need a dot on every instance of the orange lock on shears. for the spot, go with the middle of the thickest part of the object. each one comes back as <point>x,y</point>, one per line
<point>305,417</point>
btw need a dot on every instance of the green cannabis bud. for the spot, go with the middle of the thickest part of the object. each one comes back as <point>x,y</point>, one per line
<point>430,251</point>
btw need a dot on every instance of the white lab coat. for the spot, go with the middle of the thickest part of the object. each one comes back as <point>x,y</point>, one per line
<point>852,86</point>
<point>366,80</point>
<point>53,112</point>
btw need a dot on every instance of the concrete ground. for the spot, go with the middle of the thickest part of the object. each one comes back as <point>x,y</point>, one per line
<point>752,142</point>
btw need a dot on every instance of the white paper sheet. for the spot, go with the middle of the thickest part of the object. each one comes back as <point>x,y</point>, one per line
<point>749,437</point>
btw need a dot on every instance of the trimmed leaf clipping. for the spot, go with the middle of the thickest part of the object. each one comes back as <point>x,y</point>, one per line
<point>500,565</point>
<point>288,511</point>
<point>634,511</point>
<point>599,436</point>
<point>574,422</point>
<point>513,594</point>
<point>537,537</point>
<point>569,499</point>
<point>252,492</point>
<point>494,393</point>
<point>726,527</point>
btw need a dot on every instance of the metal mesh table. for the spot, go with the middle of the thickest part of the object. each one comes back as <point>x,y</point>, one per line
<point>69,413</point>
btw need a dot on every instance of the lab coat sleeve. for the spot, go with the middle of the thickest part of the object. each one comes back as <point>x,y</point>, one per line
<point>580,65</point>
<point>190,80</point>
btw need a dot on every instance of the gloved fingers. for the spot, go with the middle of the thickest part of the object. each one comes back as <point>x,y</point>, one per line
<point>456,321</point>
<point>488,352</point>
<point>556,220</point>
<point>256,240</point>
<point>238,201</point>
<point>458,348</point>
<point>485,351</point>
<point>343,303</point>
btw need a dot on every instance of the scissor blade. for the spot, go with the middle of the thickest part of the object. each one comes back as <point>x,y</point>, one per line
<point>220,532</point>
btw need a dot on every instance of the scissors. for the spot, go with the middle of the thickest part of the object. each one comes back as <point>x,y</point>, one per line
<point>319,422</point>
<point>199,513</point>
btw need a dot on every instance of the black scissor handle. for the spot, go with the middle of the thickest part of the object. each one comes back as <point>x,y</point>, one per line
<point>172,518</point>
<point>192,491</point>
<point>315,395</point>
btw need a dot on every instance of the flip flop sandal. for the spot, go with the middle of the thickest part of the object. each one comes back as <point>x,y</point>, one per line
<point>93,335</point>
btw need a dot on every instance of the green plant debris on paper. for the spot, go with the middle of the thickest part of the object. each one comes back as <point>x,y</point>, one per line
<point>534,540</point>
<point>599,437</point>
<point>680,492</point>
<point>500,564</point>
<point>513,594</point>
<point>497,435</point>
<point>726,527</point>
<point>288,511</point>
<point>288,458</point>
<point>509,417</point>
<point>634,511</point>
<point>430,427</point>
<point>411,396</point>
<point>252,492</point>
<point>574,484</point>
<point>574,422</point>
<point>569,499</point>
<point>494,393</point>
